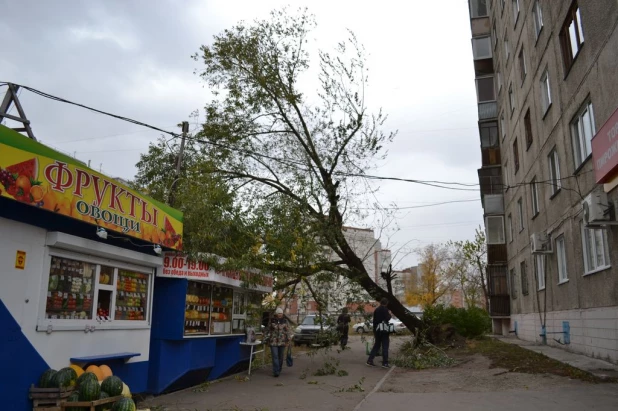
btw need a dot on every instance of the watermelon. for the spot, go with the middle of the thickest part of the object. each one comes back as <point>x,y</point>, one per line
<point>112,385</point>
<point>46,379</point>
<point>74,398</point>
<point>103,407</point>
<point>87,376</point>
<point>29,168</point>
<point>125,404</point>
<point>89,390</point>
<point>66,377</point>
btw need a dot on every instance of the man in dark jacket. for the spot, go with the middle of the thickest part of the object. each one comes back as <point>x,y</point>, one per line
<point>380,315</point>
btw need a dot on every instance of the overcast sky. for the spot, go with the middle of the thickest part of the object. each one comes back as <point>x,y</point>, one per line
<point>133,58</point>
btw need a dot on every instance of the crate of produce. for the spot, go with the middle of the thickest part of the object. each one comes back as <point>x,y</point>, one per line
<point>49,399</point>
<point>90,405</point>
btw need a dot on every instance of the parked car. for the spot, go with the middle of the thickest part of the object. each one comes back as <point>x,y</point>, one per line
<point>366,327</point>
<point>314,329</point>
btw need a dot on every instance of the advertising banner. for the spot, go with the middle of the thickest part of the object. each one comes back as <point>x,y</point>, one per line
<point>605,150</point>
<point>34,174</point>
<point>178,266</point>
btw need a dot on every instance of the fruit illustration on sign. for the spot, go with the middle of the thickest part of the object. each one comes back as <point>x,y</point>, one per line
<point>19,180</point>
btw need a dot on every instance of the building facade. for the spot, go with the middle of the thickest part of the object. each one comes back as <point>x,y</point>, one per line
<point>548,97</point>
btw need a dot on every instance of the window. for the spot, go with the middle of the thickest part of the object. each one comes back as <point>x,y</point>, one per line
<point>537,16</point>
<point>506,176</point>
<point>583,130</point>
<point>495,33</point>
<point>524,278</point>
<point>82,288</point>
<point>561,256</point>
<point>495,229</point>
<point>571,36</point>
<point>528,129</point>
<point>502,126</point>
<point>511,99</point>
<point>539,263</point>
<point>596,255</point>
<point>513,284</point>
<point>507,50</point>
<point>545,92</point>
<point>481,47</point>
<point>520,209</point>
<point>510,228</point>
<point>535,197</point>
<point>522,65</point>
<point>515,11</point>
<point>489,134</point>
<point>485,89</point>
<point>516,155</point>
<point>554,172</point>
<point>478,8</point>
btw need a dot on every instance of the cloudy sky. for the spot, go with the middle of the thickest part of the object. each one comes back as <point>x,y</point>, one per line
<point>133,58</point>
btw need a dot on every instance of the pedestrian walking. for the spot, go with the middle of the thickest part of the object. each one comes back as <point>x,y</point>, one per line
<point>381,317</point>
<point>278,336</point>
<point>343,326</point>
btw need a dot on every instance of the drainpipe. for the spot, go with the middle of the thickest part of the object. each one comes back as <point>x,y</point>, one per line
<point>543,335</point>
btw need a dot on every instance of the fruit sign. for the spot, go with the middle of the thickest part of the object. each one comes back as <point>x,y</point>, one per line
<point>34,174</point>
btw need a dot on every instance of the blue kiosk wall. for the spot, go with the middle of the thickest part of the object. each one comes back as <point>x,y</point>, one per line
<point>177,362</point>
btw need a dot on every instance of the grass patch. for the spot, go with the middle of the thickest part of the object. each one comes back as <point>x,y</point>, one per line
<point>517,359</point>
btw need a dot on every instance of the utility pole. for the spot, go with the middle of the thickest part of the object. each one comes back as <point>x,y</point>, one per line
<point>11,98</point>
<point>172,195</point>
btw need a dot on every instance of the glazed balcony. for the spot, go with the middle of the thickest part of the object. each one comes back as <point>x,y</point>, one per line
<point>490,179</point>
<point>499,299</point>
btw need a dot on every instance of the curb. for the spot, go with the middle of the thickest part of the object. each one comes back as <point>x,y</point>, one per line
<point>375,389</point>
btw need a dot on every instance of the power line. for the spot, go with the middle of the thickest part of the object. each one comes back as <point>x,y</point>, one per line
<point>420,206</point>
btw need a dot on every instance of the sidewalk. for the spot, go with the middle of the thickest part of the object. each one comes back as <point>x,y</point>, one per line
<point>297,388</point>
<point>598,368</point>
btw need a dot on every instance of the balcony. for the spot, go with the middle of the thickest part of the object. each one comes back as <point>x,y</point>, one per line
<point>499,306</point>
<point>490,156</point>
<point>488,110</point>
<point>496,254</point>
<point>480,26</point>
<point>490,179</point>
<point>499,299</point>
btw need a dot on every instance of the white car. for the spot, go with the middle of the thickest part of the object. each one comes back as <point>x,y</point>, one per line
<point>365,327</point>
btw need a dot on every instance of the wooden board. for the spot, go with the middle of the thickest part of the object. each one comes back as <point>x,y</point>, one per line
<point>50,393</point>
<point>91,404</point>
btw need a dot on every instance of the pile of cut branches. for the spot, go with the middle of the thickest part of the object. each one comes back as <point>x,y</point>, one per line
<point>422,355</point>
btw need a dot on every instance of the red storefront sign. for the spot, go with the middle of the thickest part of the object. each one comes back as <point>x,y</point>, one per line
<point>605,150</point>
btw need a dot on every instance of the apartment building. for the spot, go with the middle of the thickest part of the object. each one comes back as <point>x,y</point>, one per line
<point>548,121</point>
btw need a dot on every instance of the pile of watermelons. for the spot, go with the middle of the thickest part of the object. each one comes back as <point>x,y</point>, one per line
<point>89,388</point>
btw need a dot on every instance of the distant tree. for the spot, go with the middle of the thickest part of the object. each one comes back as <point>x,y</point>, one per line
<point>471,260</point>
<point>436,276</point>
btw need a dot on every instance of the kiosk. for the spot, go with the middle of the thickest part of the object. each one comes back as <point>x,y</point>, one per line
<point>78,257</point>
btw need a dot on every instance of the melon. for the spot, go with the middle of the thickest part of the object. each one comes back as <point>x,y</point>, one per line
<point>28,168</point>
<point>103,407</point>
<point>46,379</point>
<point>65,377</point>
<point>89,391</point>
<point>126,392</point>
<point>106,371</point>
<point>112,385</point>
<point>78,370</point>
<point>96,371</point>
<point>87,376</point>
<point>124,404</point>
<point>74,397</point>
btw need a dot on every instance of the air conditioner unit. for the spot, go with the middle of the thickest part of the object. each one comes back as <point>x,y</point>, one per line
<point>596,209</point>
<point>541,243</point>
